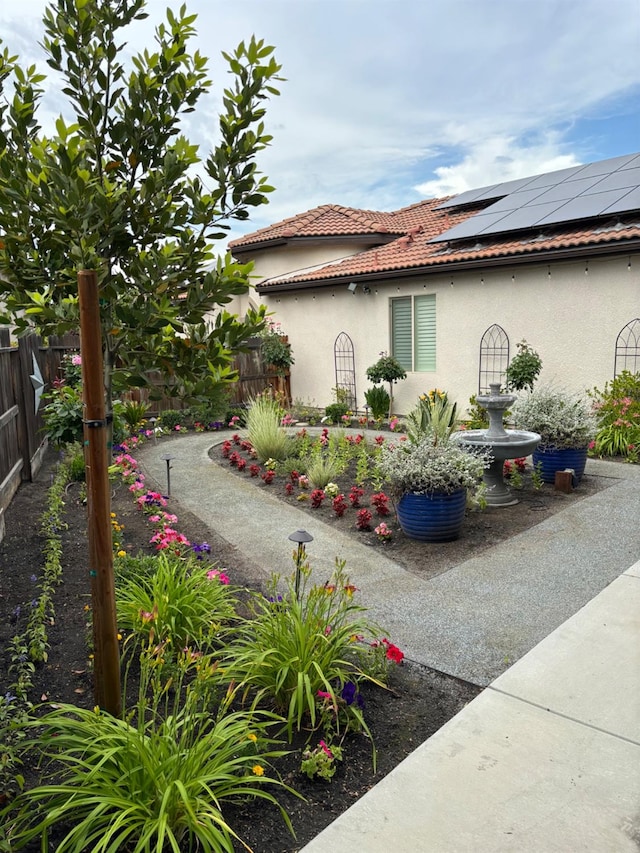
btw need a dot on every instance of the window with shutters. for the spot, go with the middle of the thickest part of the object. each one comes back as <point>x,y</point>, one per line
<point>413,332</point>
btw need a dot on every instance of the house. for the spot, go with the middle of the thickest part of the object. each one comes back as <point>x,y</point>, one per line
<point>449,286</point>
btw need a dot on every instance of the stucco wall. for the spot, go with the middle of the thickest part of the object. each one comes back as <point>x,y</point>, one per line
<point>570,312</point>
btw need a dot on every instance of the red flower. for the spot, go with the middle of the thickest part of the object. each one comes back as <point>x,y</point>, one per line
<point>393,652</point>
<point>339,505</point>
<point>317,496</point>
<point>363,520</point>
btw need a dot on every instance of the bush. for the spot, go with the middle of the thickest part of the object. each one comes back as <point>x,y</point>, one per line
<point>134,414</point>
<point>75,463</point>
<point>617,410</point>
<point>434,415</point>
<point>524,368</point>
<point>377,398</point>
<point>170,419</point>
<point>562,419</point>
<point>323,469</point>
<point>336,411</point>
<point>63,415</point>
<point>182,602</point>
<point>157,783</point>
<point>299,648</point>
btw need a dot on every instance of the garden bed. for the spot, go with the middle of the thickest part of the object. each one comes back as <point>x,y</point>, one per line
<point>418,702</point>
<point>482,528</point>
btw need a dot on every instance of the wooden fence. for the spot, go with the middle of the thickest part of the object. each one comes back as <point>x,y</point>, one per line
<point>22,437</point>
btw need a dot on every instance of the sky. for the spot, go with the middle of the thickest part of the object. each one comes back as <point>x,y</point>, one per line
<point>388,102</point>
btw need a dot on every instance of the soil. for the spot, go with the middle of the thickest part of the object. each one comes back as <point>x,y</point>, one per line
<point>418,702</point>
<point>482,528</point>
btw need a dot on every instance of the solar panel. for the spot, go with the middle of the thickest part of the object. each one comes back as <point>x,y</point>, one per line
<point>579,192</point>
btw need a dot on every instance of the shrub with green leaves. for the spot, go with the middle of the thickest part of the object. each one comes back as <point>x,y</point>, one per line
<point>183,602</point>
<point>300,648</point>
<point>336,411</point>
<point>617,409</point>
<point>63,415</point>
<point>377,399</point>
<point>524,368</point>
<point>134,414</point>
<point>434,415</point>
<point>156,783</point>
<point>263,419</point>
<point>170,419</point>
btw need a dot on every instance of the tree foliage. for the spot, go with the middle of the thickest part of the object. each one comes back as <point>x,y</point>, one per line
<point>120,189</point>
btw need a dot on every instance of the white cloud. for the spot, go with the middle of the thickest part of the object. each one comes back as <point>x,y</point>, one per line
<point>390,100</point>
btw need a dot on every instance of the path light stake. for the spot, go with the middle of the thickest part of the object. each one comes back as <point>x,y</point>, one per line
<point>107,691</point>
<point>300,536</point>
<point>167,458</point>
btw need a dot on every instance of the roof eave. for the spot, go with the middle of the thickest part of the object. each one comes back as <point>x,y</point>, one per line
<point>376,238</point>
<point>620,247</point>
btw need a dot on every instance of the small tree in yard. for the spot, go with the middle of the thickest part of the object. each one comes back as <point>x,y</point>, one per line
<point>386,369</point>
<point>524,368</point>
<point>116,189</point>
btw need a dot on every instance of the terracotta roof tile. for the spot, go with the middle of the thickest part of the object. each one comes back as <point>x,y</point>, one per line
<point>415,226</point>
<point>328,220</point>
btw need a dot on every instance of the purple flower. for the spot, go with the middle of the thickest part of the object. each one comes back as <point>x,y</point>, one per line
<point>33,578</point>
<point>350,694</point>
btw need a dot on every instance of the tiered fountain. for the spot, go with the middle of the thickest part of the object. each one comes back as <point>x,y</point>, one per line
<point>502,443</point>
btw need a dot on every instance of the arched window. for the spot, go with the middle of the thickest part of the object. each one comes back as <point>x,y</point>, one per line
<point>494,357</point>
<point>628,349</point>
<point>345,368</point>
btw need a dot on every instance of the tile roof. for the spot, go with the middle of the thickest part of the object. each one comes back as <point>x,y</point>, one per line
<point>406,245</point>
<point>328,220</point>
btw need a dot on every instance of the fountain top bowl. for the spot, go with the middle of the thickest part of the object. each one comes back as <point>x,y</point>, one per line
<point>514,444</point>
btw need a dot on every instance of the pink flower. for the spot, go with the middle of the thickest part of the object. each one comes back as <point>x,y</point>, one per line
<point>215,574</point>
<point>76,360</point>
<point>325,749</point>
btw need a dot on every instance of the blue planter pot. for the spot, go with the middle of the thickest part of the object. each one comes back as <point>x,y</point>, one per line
<point>434,517</point>
<point>552,459</point>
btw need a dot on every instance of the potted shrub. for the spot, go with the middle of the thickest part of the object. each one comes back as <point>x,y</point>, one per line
<point>566,424</point>
<point>276,349</point>
<point>432,481</point>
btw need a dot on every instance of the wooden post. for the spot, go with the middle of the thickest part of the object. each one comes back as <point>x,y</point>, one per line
<point>563,481</point>
<point>107,691</point>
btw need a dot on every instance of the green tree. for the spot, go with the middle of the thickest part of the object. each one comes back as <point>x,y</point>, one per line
<point>386,369</point>
<point>120,190</point>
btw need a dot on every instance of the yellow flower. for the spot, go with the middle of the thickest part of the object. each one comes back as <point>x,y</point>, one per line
<point>122,553</point>
<point>258,770</point>
<point>113,515</point>
<point>253,737</point>
<point>119,636</point>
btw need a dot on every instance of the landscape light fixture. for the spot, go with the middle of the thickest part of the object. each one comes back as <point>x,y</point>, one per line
<point>300,537</point>
<point>352,287</point>
<point>168,458</point>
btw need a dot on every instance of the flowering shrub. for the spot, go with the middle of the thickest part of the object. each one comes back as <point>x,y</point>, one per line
<point>316,497</point>
<point>363,520</point>
<point>562,420</point>
<point>339,505</point>
<point>383,532</point>
<point>617,411</point>
<point>426,467</point>
<point>381,502</point>
<point>354,496</point>
<point>268,477</point>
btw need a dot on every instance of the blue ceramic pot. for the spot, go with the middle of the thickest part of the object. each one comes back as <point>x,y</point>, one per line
<point>432,518</point>
<point>552,459</point>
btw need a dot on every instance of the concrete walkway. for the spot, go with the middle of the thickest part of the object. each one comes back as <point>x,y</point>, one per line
<point>548,757</point>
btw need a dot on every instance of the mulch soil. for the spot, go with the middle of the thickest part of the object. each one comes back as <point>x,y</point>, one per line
<point>418,702</point>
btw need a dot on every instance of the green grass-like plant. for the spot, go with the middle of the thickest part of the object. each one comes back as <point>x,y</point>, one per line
<point>324,469</point>
<point>267,436</point>
<point>180,602</point>
<point>298,644</point>
<point>156,783</point>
